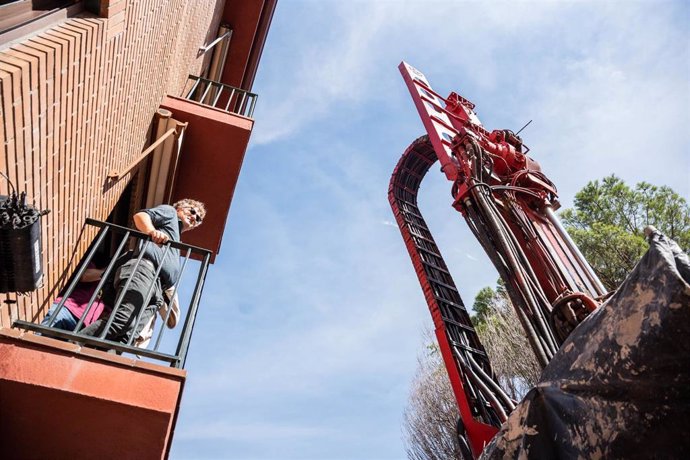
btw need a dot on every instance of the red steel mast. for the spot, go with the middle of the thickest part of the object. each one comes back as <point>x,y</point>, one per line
<point>509,205</point>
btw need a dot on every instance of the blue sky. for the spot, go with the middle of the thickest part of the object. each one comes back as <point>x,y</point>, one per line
<point>312,316</point>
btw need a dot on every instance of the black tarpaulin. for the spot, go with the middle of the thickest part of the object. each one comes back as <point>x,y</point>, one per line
<point>619,387</point>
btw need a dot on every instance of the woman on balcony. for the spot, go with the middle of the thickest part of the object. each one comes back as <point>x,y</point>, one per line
<point>76,304</point>
<point>158,267</point>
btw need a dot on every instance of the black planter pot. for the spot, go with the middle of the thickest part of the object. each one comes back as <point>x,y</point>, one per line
<point>20,258</point>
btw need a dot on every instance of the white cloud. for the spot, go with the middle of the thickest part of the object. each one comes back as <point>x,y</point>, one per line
<point>609,89</point>
<point>327,71</point>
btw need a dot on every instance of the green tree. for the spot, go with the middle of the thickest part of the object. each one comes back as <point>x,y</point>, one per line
<point>609,217</point>
<point>501,333</point>
<point>483,302</point>
<point>487,300</point>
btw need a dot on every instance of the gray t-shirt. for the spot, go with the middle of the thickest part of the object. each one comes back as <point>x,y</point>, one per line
<point>164,218</point>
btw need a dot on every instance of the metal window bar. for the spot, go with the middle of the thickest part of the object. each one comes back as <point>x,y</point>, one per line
<point>183,344</point>
<point>215,100</point>
<point>149,293</point>
<point>239,101</point>
<point>176,359</point>
<point>123,291</point>
<point>172,300</point>
<point>75,280</point>
<point>102,281</point>
<point>230,99</point>
<point>209,85</point>
<point>191,91</point>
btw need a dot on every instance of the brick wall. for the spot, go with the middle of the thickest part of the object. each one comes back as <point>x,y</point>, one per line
<point>76,101</point>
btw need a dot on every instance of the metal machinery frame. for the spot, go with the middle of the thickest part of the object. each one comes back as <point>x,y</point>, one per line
<point>509,205</point>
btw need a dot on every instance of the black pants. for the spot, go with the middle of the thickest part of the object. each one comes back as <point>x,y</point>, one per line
<point>133,301</point>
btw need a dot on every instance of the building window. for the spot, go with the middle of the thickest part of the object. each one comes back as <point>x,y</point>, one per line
<point>18,13</point>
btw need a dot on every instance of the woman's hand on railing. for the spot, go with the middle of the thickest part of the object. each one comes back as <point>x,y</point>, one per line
<point>158,237</point>
<point>143,223</point>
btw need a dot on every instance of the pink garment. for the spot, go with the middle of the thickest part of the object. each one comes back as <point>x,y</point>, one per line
<point>78,301</point>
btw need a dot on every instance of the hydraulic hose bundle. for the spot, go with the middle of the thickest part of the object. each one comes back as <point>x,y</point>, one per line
<point>491,229</point>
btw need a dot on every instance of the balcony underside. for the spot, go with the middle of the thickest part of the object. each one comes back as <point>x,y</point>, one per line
<point>60,400</point>
<point>212,152</point>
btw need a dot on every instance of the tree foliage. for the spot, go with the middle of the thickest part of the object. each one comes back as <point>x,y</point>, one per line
<point>499,330</point>
<point>608,220</point>
<point>431,415</point>
<point>484,302</point>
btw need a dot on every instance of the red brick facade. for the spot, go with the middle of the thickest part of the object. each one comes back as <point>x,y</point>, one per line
<point>77,101</point>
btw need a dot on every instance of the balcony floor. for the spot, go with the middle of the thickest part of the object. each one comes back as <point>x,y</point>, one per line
<point>59,400</point>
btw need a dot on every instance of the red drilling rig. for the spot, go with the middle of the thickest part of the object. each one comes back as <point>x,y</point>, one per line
<point>509,205</point>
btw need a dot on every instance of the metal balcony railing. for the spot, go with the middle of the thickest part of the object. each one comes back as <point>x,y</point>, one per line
<point>220,96</point>
<point>188,287</point>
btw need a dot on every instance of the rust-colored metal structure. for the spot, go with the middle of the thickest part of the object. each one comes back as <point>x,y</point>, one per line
<point>509,205</point>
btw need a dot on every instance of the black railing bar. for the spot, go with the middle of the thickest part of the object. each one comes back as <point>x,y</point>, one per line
<point>87,339</point>
<point>183,345</point>
<point>222,84</point>
<point>203,96</point>
<point>188,330</point>
<point>123,291</point>
<point>216,86</point>
<point>215,101</point>
<point>232,94</point>
<point>189,94</point>
<point>77,276</point>
<point>102,281</point>
<point>238,104</point>
<point>147,298</point>
<point>172,301</point>
<point>144,236</point>
<point>198,91</point>
<point>251,110</point>
<point>241,109</point>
